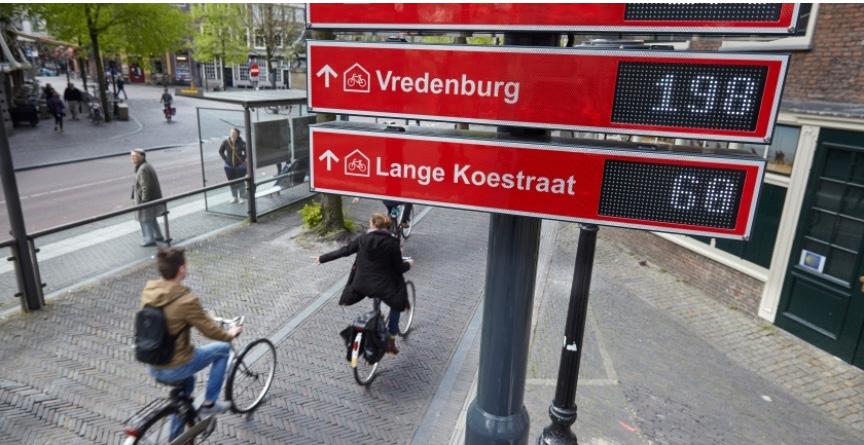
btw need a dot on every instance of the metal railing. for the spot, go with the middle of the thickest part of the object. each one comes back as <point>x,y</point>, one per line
<point>32,237</point>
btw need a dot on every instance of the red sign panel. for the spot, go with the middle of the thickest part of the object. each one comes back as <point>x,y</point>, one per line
<point>656,190</point>
<point>731,97</point>
<point>748,18</point>
<point>253,70</point>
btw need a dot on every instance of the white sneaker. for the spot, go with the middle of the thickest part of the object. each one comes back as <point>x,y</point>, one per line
<point>234,200</point>
<point>217,408</point>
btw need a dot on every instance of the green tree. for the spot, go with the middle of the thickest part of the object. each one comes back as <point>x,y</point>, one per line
<point>221,33</point>
<point>130,28</point>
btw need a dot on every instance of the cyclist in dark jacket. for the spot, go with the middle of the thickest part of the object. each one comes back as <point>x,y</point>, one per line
<point>378,272</point>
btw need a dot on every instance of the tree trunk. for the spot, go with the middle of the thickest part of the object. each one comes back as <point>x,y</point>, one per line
<point>100,68</point>
<point>331,205</point>
<point>82,66</point>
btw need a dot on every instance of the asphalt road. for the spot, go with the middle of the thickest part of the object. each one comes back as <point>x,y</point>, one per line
<point>56,195</point>
<point>52,196</point>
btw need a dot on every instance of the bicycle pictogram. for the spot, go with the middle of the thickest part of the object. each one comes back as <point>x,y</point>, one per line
<point>357,79</point>
<point>357,165</point>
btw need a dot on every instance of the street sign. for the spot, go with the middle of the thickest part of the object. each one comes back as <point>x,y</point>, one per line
<point>731,97</point>
<point>690,193</point>
<point>254,71</point>
<point>725,18</point>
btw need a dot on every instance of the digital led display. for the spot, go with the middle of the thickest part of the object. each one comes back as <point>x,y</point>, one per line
<point>719,97</point>
<point>755,12</point>
<point>697,196</point>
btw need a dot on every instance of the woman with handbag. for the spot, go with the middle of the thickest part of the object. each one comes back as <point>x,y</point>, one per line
<point>233,153</point>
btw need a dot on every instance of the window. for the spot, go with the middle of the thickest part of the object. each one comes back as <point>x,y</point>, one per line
<point>759,248</point>
<point>781,153</point>
<point>766,221</point>
<point>244,71</point>
<point>210,70</point>
<point>259,39</point>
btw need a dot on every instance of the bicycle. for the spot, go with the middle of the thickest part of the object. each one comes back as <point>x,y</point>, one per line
<point>364,370</point>
<point>397,214</point>
<point>153,423</point>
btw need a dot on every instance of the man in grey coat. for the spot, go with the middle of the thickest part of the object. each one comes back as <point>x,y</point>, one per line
<point>147,189</point>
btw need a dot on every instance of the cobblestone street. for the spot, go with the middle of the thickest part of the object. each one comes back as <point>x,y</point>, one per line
<point>662,364</point>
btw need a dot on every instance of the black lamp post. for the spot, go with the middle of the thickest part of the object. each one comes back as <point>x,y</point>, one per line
<point>562,411</point>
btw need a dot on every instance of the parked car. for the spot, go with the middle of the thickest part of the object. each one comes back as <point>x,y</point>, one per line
<point>48,72</point>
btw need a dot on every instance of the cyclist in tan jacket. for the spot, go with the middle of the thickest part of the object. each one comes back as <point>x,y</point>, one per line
<point>183,310</point>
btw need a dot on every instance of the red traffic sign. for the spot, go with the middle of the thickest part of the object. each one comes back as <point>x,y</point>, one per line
<point>253,70</point>
<point>723,96</point>
<point>727,18</point>
<point>657,190</point>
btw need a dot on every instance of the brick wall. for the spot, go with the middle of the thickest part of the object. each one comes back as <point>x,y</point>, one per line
<point>834,69</point>
<point>728,286</point>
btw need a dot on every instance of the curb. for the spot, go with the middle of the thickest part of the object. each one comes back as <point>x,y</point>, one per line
<point>95,158</point>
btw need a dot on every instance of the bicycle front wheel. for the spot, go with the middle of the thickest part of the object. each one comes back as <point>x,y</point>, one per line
<point>156,430</point>
<point>251,376</point>
<point>407,318</point>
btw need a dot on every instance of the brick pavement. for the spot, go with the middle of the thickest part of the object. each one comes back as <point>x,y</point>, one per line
<point>663,363</point>
<point>69,376</point>
<point>804,371</point>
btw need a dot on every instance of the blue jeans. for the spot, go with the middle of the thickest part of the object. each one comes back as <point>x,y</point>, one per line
<point>215,353</point>
<point>393,322</point>
<point>150,231</point>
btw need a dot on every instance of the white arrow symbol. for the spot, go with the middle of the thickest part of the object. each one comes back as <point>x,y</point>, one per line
<point>326,71</point>
<point>330,157</point>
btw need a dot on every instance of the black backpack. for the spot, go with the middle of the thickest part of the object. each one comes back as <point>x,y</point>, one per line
<point>153,344</point>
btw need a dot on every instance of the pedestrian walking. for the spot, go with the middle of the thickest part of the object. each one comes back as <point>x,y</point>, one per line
<point>233,153</point>
<point>56,108</point>
<point>73,97</point>
<point>120,89</point>
<point>147,189</point>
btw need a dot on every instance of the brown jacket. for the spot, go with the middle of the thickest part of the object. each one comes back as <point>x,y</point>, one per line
<point>182,309</point>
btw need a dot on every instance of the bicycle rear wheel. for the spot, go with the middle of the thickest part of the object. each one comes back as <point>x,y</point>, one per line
<point>251,376</point>
<point>364,372</point>
<point>407,318</point>
<point>404,231</point>
<point>156,430</point>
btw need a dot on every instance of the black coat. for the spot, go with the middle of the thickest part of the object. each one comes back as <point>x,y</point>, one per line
<point>377,270</point>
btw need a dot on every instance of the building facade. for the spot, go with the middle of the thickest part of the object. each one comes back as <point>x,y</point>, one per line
<point>803,267</point>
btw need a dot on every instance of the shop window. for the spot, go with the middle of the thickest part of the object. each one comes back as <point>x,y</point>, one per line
<point>781,153</point>
<point>759,248</point>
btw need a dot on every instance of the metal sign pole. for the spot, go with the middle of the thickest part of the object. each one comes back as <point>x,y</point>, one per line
<point>562,411</point>
<point>28,284</point>
<point>498,415</point>
<point>250,166</point>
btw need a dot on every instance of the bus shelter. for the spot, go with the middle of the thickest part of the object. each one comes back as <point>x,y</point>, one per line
<point>274,125</point>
